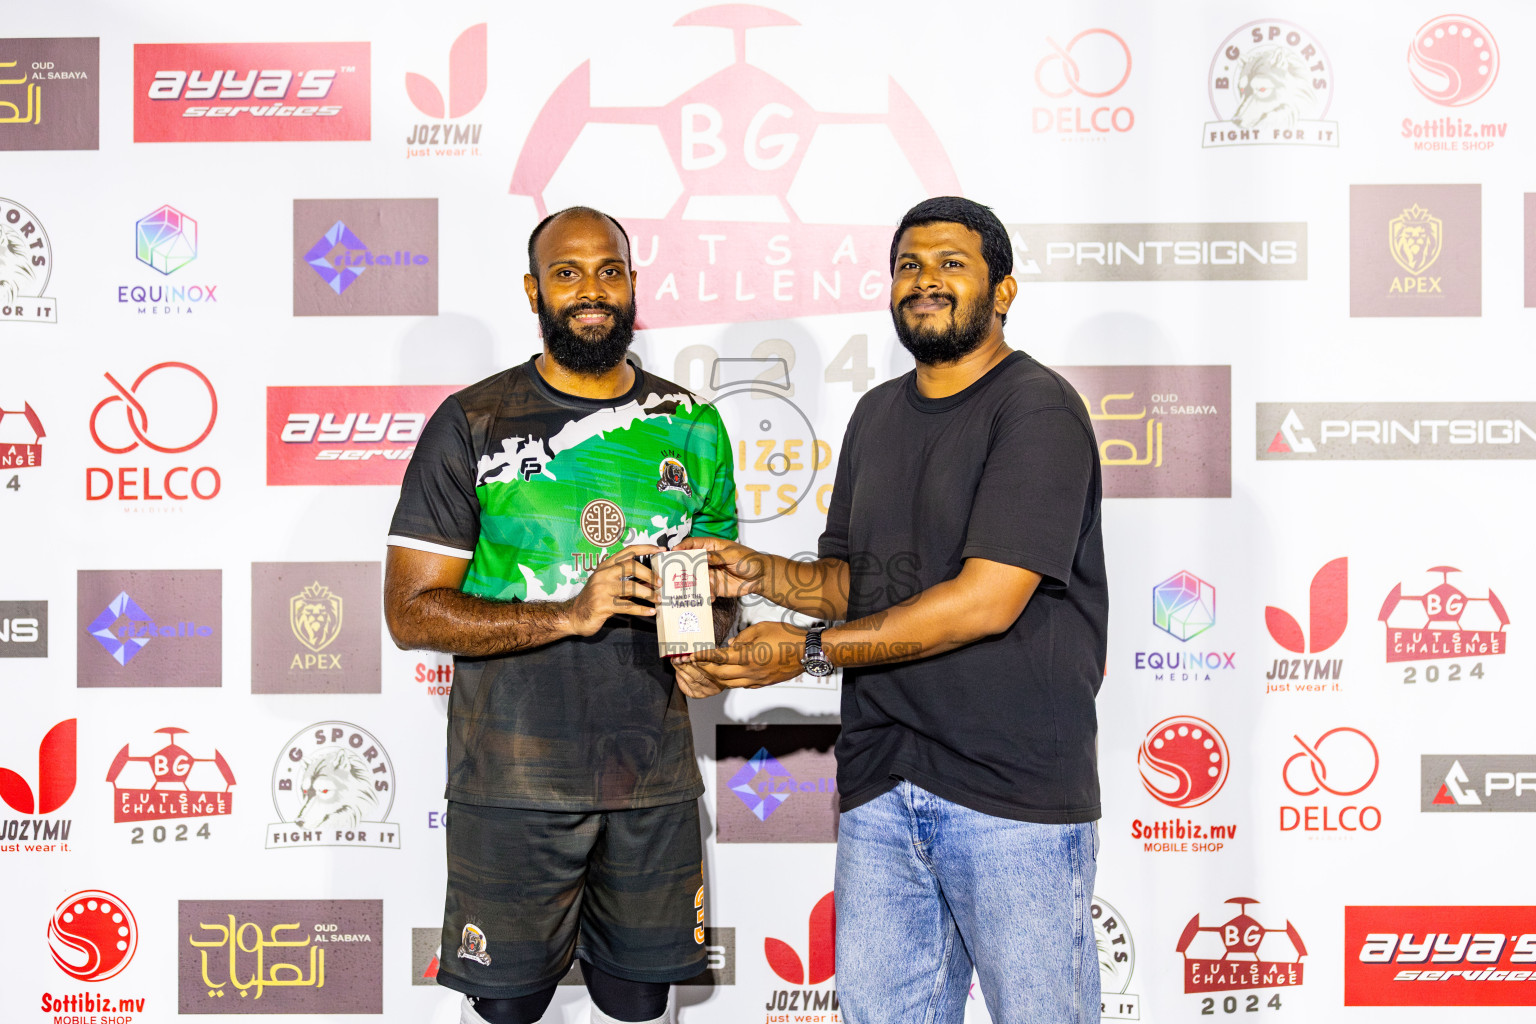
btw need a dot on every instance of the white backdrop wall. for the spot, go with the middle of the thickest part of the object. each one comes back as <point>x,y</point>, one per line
<point>1284,305</point>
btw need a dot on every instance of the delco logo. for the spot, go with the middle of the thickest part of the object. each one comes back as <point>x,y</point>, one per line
<point>250,92</point>
<point>346,435</point>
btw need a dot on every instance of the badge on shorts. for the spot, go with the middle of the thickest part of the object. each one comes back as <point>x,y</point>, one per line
<point>472,945</point>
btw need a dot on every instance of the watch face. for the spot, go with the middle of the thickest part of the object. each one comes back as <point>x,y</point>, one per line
<point>817,667</point>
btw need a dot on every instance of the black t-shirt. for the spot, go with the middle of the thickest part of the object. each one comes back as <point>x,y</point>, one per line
<point>535,487</point>
<point>1006,470</point>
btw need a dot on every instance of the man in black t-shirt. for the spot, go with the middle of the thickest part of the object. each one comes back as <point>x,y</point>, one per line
<point>573,829</point>
<point>964,558</point>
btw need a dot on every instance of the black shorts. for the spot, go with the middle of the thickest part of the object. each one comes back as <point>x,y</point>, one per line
<point>530,890</point>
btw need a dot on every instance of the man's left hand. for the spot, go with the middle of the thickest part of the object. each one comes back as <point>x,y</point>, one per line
<point>761,655</point>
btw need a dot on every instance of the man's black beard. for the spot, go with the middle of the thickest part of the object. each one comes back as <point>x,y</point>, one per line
<point>933,347</point>
<point>580,349</point>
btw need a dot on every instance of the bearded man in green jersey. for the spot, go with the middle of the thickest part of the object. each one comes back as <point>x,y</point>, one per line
<point>532,497</point>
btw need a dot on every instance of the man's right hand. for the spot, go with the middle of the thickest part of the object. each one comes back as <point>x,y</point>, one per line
<point>615,587</point>
<point>734,569</point>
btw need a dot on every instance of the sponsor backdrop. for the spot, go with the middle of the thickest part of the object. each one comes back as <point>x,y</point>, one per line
<point>1286,253</point>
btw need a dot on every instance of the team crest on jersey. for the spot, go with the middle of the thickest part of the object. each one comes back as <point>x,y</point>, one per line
<point>674,477</point>
<point>472,945</point>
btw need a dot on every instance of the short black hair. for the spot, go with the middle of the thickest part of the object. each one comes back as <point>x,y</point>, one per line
<point>996,249</point>
<point>533,239</point>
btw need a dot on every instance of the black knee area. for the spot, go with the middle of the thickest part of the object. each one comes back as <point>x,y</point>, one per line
<point>622,999</point>
<point>522,1010</point>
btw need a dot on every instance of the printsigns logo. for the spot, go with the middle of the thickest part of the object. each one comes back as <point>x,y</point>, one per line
<point>1493,783</point>
<point>820,963</point>
<point>1432,263</point>
<point>466,87</point>
<point>150,627</point>
<point>333,786</point>
<point>21,441</point>
<point>1439,956</point>
<point>1275,251</point>
<point>302,640</point>
<point>330,260</point>
<point>1094,64</point>
<point>250,92</point>
<point>781,781</point>
<point>1443,622</point>
<point>346,435</point>
<point>23,629</point>
<point>170,783</point>
<point>740,171</point>
<point>50,93</point>
<point>280,956</point>
<point>1328,612</point>
<point>26,264</point>
<point>1117,962</point>
<point>1386,431</point>
<point>1271,84</point>
<point>1184,761</point>
<point>1163,431</point>
<point>93,935</point>
<point>1241,953</point>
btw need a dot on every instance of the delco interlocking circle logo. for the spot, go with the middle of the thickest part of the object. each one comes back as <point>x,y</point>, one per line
<point>1183,761</point>
<point>176,394</point>
<point>93,935</point>
<point>1342,761</point>
<point>1108,62</point>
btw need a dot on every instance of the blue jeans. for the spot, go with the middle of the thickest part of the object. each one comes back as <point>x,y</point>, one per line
<point>927,888</point>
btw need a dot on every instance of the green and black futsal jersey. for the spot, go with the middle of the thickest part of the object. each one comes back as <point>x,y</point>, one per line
<point>536,487</point>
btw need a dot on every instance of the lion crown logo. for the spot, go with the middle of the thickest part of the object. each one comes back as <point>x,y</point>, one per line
<point>314,614</point>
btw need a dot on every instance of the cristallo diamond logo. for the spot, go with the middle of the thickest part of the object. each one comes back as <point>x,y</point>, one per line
<point>390,269</point>
<point>776,783</point>
<point>743,201</point>
<point>1415,250</point>
<point>115,629</point>
<point>338,257</point>
<point>762,804</point>
<point>151,627</point>
<point>166,240</point>
<point>1184,606</point>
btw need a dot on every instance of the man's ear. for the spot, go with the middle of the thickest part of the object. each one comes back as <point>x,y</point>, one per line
<point>531,286</point>
<point>1002,299</point>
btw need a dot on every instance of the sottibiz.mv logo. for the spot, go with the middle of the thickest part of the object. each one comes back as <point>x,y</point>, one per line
<point>819,965</point>
<point>1327,616</point>
<point>1439,956</point>
<point>1241,953</point>
<point>742,201</point>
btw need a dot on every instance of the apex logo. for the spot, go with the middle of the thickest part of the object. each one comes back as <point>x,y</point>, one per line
<point>466,78</point>
<point>55,774</point>
<point>1288,438</point>
<point>822,948</point>
<point>1328,612</point>
<point>1451,791</point>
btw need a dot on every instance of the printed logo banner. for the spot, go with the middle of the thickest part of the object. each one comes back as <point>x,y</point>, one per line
<point>280,956</point>
<point>1415,250</point>
<point>1386,431</point>
<point>150,627</point>
<point>315,627</point>
<point>23,629</point>
<point>364,257</point>
<point>776,784</point>
<point>1163,431</point>
<point>1440,956</point>
<point>50,93</point>
<point>346,435</point>
<point>250,92</point>
<point>1159,252</point>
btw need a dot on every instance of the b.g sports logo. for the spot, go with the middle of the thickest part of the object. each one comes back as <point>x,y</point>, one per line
<point>250,92</point>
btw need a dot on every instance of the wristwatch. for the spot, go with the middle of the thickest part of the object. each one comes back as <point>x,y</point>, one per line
<point>814,662</point>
